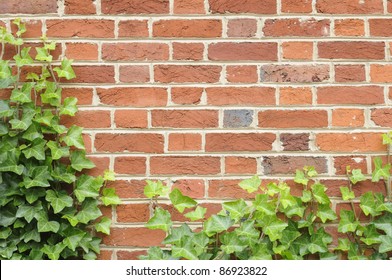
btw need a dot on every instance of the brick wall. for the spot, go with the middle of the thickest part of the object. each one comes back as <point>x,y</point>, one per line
<point>203,93</point>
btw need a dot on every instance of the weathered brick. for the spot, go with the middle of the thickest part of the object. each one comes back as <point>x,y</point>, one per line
<point>89,119</point>
<point>130,118</point>
<point>185,118</point>
<point>288,165</point>
<point>78,7</point>
<point>295,141</point>
<point>294,73</point>
<point>351,50</point>
<point>295,96</point>
<point>188,51</point>
<point>81,28</point>
<point>81,51</point>
<point>232,142</point>
<point>382,117</point>
<point>84,95</point>
<point>186,95</point>
<point>135,7</point>
<point>133,28</point>
<point>293,118</point>
<point>367,95</point>
<point>187,73</point>
<point>297,50</point>
<point>350,73</point>
<point>137,237</point>
<point>350,142</point>
<point>349,27</point>
<point>241,74</point>
<point>28,7</point>
<point>137,96</point>
<point>196,28</point>
<point>185,165</point>
<point>135,51</point>
<point>246,6</point>
<point>240,165</point>
<point>241,27</point>
<point>184,142</point>
<point>296,27</point>
<point>296,6</point>
<point>133,213</point>
<point>128,189</point>
<point>237,118</point>
<point>105,255</point>
<point>348,117</point>
<point>189,7</point>
<point>349,7</point>
<point>381,73</point>
<point>134,73</point>
<point>136,142</point>
<point>341,162</point>
<point>252,96</point>
<point>243,51</point>
<point>130,165</point>
<point>191,187</point>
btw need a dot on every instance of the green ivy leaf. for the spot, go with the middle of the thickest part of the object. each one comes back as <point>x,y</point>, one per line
<point>384,223</point>
<point>160,220</point>
<point>38,177</point>
<point>58,200</point>
<point>217,224</point>
<point>273,227</point>
<point>37,150</point>
<point>33,194</point>
<point>347,222</point>
<point>368,205</point>
<point>180,201</point>
<point>103,225</point>
<point>6,78</point>
<point>371,235</point>
<point>87,186</point>
<point>74,137</point>
<point>109,176</point>
<point>300,178</point>
<point>32,133</point>
<point>48,226</point>
<point>43,55</point>
<point>343,244</point>
<point>187,251</point>
<point>90,211</point>
<point>73,237</point>
<point>197,214</point>
<point>153,189</point>
<point>357,176</point>
<point>251,185</point>
<point>178,235</point>
<point>325,213</point>
<point>319,242</point>
<point>9,162</point>
<point>56,151</point>
<point>23,58</point>
<point>310,171</point>
<point>28,212</point>
<point>61,174</point>
<point>65,71</point>
<point>5,232</point>
<point>237,208</point>
<point>69,107</point>
<point>386,244</point>
<point>44,119</point>
<point>5,110</point>
<point>380,171</point>
<point>155,253</point>
<point>79,161</point>
<point>22,95</point>
<point>306,196</point>
<point>262,204</point>
<point>319,194</point>
<point>248,232</point>
<point>52,95</point>
<point>109,197</point>
<point>286,199</point>
<point>346,193</point>
<point>53,251</point>
<point>200,241</point>
<point>231,243</point>
<point>387,138</point>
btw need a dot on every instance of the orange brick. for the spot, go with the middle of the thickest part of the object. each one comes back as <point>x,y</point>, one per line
<point>130,165</point>
<point>241,74</point>
<point>349,27</point>
<point>297,50</point>
<point>295,96</point>
<point>130,118</point>
<point>191,187</point>
<point>240,165</point>
<point>184,142</point>
<point>81,51</point>
<point>348,117</point>
<point>241,28</point>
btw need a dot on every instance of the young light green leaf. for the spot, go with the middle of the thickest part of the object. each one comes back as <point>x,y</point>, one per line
<point>368,205</point>
<point>43,55</point>
<point>325,213</point>
<point>65,71</point>
<point>237,208</point>
<point>155,188</point>
<point>346,193</point>
<point>160,220</point>
<point>48,226</point>
<point>187,251</point>
<point>103,225</point>
<point>180,201</point>
<point>23,58</point>
<point>262,204</point>
<point>36,150</point>
<point>273,227</point>
<point>386,244</point>
<point>69,107</point>
<point>74,137</point>
<point>22,95</point>
<point>197,214</point>
<point>58,200</point>
<point>110,197</point>
<point>319,194</point>
<point>87,186</point>
<point>79,161</point>
<point>251,185</point>
<point>53,251</point>
<point>357,176</point>
<point>306,196</point>
<point>380,171</point>
<point>109,175</point>
<point>347,222</point>
<point>300,177</point>
<point>217,224</point>
<point>90,211</point>
<point>231,243</point>
<point>56,151</point>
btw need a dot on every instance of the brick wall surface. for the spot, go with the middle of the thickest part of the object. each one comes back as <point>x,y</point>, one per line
<point>204,93</point>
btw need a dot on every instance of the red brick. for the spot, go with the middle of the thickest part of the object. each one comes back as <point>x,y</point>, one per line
<point>349,27</point>
<point>135,7</point>
<point>186,95</point>
<point>84,7</point>
<point>381,73</point>
<point>295,96</point>
<point>130,255</point>
<point>242,74</point>
<point>295,73</point>
<point>349,142</point>
<point>89,119</point>
<point>81,51</point>
<point>135,51</point>
<point>196,28</point>
<point>33,28</point>
<point>297,50</point>
<point>351,50</point>
<point>295,141</point>
<point>288,165</point>
<point>129,189</point>
<point>296,27</point>
<point>130,165</point>
<point>101,164</point>
<point>105,255</point>
<point>191,187</point>
<point>350,73</point>
<point>130,118</point>
<point>253,96</point>
<point>243,51</point>
<point>366,95</point>
<point>382,117</point>
<point>348,118</point>
<point>137,97</point>
<point>293,118</point>
<point>94,74</point>
<point>247,6</point>
<point>241,28</point>
<point>240,165</point>
<point>350,7</point>
<point>28,7</point>
<point>184,142</point>
<point>296,6</point>
<point>187,73</point>
<point>87,143</point>
<point>230,189</point>
<point>185,118</point>
<point>185,165</point>
<point>133,28</point>
<point>134,73</point>
<point>188,51</point>
<point>232,142</point>
<point>135,142</point>
<point>84,95</point>
<point>133,213</point>
<point>340,164</point>
<point>81,28</point>
<point>189,7</point>
<point>136,237</point>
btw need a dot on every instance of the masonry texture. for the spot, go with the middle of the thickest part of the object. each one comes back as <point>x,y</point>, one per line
<point>204,93</point>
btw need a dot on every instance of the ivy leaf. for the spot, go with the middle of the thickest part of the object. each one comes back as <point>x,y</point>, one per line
<point>357,176</point>
<point>52,94</point>
<point>53,251</point>
<point>325,213</point>
<point>237,209</point>
<point>33,194</point>
<point>28,212</point>
<point>231,243</point>
<point>44,119</point>
<point>319,242</point>
<point>296,209</point>
<point>272,189</point>
<point>197,214</point>
<point>160,220</point>
<point>306,196</point>
<point>90,211</point>
<point>217,224</point>
<point>73,237</point>
<point>300,178</point>
<point>5,110</point>
<point>6,78</point>
<point>109,176</point>
<point>155,253</point>
<point>22,95</point>
<point>61,174</point>
<point>32,133</point>
<point>178,235</point>
<point>74,137</point>
<point>48,226</point>
<point>87,186</point>
<point>346,193</point>
<point>200,241</point>
<point>69,107</point>
<point>38,177</point>
<point>286,199</point>
<point>103,225</point>
<point>43,55</point>
<point>380,171</point>
<point>251,185</point>
<point>386,244</point>
<point>79,161</point>
<point>387,138</point>
<point>5,232</point>
<point>180,201</point>
<point>187,251</point>
<point>153,189</point>
<point>384,223</point>
<point>58,200</point>
<point>371,235</point>
<point>368,204</point>
<point>319,194</point>
<point>343,244</point>
<point>248,232</point>
<point>347,222</point>
<point>65,71</point>
<point>273,227</point>
<point>23,58</point>
<point>262,204</point>
<point>9,162</point>
<point>109,197</point>
<point>37,150</point>
<point>56,151</point>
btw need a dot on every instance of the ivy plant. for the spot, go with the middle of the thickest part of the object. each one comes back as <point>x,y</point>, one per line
<point>49,209</point>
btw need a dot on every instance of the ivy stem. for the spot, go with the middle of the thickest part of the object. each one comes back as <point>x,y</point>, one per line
<point>350,185</point>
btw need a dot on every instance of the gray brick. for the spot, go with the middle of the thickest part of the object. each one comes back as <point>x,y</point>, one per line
<point>237,118</point>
